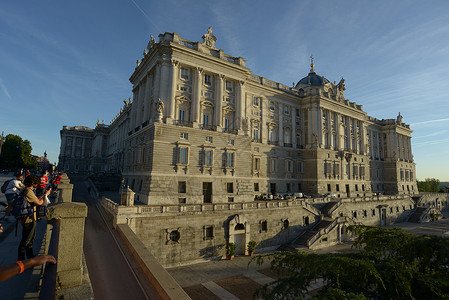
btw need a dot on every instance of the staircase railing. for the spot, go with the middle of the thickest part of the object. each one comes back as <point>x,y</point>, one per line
<point>322,232</point>
<point>334,208</point>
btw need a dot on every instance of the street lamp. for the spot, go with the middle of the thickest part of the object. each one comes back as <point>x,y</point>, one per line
<point>17,157</point>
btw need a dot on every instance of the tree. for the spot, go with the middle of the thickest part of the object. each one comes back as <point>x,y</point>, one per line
<point>16,153</point>
<point>429,185</point>
<point>391,264</point>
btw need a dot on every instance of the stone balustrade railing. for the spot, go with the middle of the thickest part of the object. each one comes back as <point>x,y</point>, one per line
<point>65,230</point>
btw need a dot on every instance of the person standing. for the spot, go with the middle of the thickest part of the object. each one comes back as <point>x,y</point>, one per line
<point>42,185</point>
<point>29,223</point>
<point>12,190</point>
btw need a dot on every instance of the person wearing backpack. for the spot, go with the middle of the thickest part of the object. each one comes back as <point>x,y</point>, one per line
<point>29,222</point>
<point>12,189</point>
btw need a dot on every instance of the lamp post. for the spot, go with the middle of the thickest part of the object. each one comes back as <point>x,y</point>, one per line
<point>17,157</point>
<point>2,141</point>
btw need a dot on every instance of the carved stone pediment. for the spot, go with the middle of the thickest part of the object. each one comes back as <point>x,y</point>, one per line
<point>183,99</point>
<point>228,108</point>
<point>207,104</point>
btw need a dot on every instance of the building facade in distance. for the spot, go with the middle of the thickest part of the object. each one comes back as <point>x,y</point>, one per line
<point>202,128</point>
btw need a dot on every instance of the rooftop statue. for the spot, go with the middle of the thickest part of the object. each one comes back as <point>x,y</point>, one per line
<point>209,39</point>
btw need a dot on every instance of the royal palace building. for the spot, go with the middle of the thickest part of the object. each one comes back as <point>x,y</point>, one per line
<point>202,128</point>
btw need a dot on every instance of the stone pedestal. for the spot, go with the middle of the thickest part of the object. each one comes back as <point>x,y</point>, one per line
<point>127,197</point>
<point>65,193</point>
<point>70,247</point>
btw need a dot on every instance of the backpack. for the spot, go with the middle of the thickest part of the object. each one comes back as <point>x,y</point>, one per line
<point>21,208</point>
<point>5,185</point>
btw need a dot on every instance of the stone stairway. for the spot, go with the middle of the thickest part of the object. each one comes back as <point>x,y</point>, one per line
<point>302,240</point>
<point>328,207</point>
<point>417,214</point>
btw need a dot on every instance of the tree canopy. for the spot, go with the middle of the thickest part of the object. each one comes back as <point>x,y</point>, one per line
<point>429,185</point>
<point>391,264</point>
<point>16,153</point>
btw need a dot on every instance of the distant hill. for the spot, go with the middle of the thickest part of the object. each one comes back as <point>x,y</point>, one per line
<point>443,184</point>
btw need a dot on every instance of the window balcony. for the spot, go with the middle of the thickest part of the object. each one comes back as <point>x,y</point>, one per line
<point>207,127</point>
<point>288,145</point>
<point>184,123</point>
<point>272,142</point>
<point>230,130</point>
<point>256,140</point>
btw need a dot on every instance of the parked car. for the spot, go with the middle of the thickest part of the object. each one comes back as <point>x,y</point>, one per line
<point>330,195</point>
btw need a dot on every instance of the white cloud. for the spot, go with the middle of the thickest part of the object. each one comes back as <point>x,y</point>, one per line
<point>4,89</point>
<point>429,122</point>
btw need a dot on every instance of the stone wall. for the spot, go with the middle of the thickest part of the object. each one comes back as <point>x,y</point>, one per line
<point>183,234</point>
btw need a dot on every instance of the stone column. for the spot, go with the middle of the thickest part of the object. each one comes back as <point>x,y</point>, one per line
<point>263,126</point>
<point>309,133</point>
<point>73,147</point>
<point>140,98</point>
<point>71,218</point>
<point>196,107</point>
<point>219,101</point>
<point>319,126</point>
<point>363,137</point>
<point>172,92</point>
<point>293,131</point>
<point>147,99</point>
<point>82,147</point>
<point>157,82</point>
<point>239,104</point>
<point>338,131</point>
<point>164,86</point>
<point>281,126</point>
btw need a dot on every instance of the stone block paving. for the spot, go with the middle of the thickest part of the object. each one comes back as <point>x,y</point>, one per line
<point>233,279</point>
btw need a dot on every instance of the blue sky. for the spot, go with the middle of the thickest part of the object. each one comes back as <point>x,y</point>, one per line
<point>68,62</point>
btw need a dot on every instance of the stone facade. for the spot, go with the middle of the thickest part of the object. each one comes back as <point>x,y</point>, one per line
<point>202,122</point>
<point>203,136</point>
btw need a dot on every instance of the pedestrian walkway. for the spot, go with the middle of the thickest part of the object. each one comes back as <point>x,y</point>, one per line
<point>232,279</point>
<point>25,285</point>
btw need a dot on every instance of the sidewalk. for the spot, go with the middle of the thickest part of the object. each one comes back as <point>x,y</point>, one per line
<point>25,285</point>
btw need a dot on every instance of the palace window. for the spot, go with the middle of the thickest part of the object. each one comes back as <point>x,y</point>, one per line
<point>207,79</point>
<point>227,123</point>
<point>206,119</point>
<point>184,73</point>
<point>208,232</point>
<point>256,101</point>
<point>182,187</point>
<point>228,85</point>
<point>230,187</point>
<point>272,106</point>
<point>209,139</point>
<point>175,236</point>
<point>231,142</point>
<point>182,114</point>
<point>256,186</point>
<point>273,165</point>
<point>263,226</point>
<point>208,154</point>
<point>229,160</point>
<point>183,155</point>
<point>256,133</point>
<point>184,135</point>
<point>256,164</point>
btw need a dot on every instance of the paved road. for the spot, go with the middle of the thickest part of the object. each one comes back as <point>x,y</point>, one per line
<point>109,272</point>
